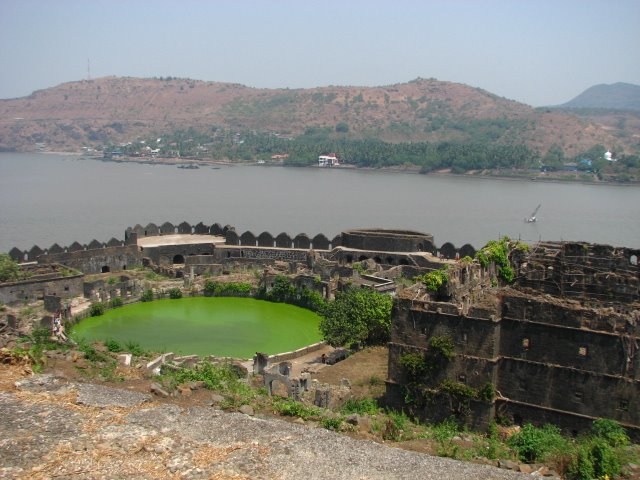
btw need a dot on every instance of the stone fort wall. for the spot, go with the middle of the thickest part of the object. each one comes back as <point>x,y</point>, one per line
<point>117,255</point>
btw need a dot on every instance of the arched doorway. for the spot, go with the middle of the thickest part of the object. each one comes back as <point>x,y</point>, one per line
<point>179,259</point>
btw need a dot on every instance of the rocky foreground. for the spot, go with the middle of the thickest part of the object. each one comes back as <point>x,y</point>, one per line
<point>55,428</point>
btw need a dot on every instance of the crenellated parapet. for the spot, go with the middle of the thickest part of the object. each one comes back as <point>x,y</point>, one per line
<point>385,246</point>
<point>35,252</point>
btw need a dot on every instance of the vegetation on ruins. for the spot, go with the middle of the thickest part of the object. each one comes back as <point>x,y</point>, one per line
<point>604,452</point>
<point>422,368</point>
<point>284,291</point>
<point>419,366</point>
<point>227,288</point>
<point>31,348</point>
<point>9,270</point>
<point>175,293</point>
<point>498,251</point>
<point>435,279</point>
<point>96,309</point>
<point>357,315</point>
<point>599,453</point>
<point>147,295</point>
<point>116,302</point>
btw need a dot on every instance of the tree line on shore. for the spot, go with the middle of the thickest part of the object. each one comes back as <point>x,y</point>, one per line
<point>303,150</point>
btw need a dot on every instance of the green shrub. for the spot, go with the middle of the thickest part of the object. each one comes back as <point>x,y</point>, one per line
<point>442,346</point>
<point>535,444</point>
<point>282,290</point>
<point>134,348</point>
<point>610,431</point>
<point>209,287</point>
<point>147,295</point>
<point>291,408</point>
<point>311,300</point>
<point>443,433</point>
<point>153,276</point>
<point>580,465</point>
<point>113,345</point>
<point>486,392</point>
<point>498,252</point>
<point>116,302</point>
<point>331,423</point>
<point>359,267</point>
<point>41,336</point>
<point>361,406</point>
<point>222,378</point>
<point>9,269</point>
<point>413,364</point>
<point>606,463</point>
<point>175,293</point>
<point>96,309</point>
<point>435,279</point>
<point>91,354</point>
<point>457,390</point>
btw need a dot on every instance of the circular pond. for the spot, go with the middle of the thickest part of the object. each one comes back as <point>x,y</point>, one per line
<point>233,327</point>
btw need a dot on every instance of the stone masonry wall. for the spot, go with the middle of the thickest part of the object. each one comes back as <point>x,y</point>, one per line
<point>34,289</point>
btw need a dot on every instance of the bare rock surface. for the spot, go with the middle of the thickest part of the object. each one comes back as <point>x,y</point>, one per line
<point>92,431</point>
<point>101,396</point>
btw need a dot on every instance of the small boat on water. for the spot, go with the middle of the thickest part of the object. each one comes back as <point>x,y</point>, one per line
<point>532,218</point>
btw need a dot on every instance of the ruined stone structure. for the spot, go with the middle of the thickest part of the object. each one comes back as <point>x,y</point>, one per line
<point>226,246</point>
<point>560,346</point>
<point>42,281</point>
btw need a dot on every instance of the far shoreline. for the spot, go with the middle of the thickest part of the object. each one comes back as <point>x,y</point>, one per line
<point>180,161</point>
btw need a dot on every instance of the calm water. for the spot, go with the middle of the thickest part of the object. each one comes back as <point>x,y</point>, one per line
<point>62,199</point>
<point>234,327</point>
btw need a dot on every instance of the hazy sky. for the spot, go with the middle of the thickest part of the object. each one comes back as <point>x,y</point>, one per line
<point>540,52</point>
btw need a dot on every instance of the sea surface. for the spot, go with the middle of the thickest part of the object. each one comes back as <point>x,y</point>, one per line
<point>47,199</point>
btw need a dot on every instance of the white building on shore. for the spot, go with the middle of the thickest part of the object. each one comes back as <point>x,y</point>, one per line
<point>330,160</point>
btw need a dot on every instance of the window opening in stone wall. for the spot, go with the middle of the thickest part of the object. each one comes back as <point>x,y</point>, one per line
<point>583,351</point>
<point>623,405</point>
<point>66,289</point>
<point>105,269</point>
<point>525,344</point>
<point>124,267</point>
<point>178,259</point>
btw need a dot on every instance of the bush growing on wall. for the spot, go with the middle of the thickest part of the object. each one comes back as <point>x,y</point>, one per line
<point>96,309</point>
<point>115,302</point>
<point>227,288</point>
<point>498,252</point>
<point>147,296</point>
<point>175,293</point>
<point>435,279</point>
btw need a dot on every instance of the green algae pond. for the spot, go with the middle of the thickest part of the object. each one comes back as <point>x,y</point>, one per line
<point>221,326</point>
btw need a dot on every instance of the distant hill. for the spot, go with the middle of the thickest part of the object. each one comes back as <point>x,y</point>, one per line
<point>618,96</point>
<point>117,110</point>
